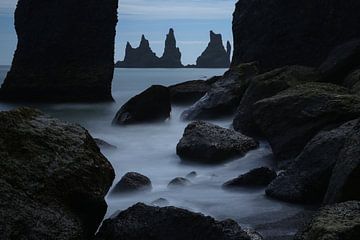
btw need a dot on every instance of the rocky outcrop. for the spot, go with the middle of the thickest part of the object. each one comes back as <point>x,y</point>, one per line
<point>301,112</point>
<point>267,85</point>
<point>60,54</point>
<point>271,32</point>
<point>207,143</point>
<point>327,166</point>
<point>142,222</point>
<point>224,95</point>
<point>215,55</point>
<point>172,55</point>
<point>151,105</point>
<point>53,178</point>
<point>188,92</point>
<point>132,182</point>
<point>258,177</point>
<point>336,222</point>
<point>144,57</point>
<point>140,57</point>
<point>179,182</point>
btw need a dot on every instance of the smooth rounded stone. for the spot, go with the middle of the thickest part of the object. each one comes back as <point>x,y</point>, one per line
<point>161,202</point>
<point>103,144</point>
<point>301,112</point>
<point>53,178</point>
<point>224,95</point>
<point>71,61</point>
<point>192,174</point>
<point>188,92</point>
<point>258,177</point>
<point>142,222</point>
<point>352,81</point>
<point>276,33</point>
<point>179,182</point>
<point>207,143</point>
<point>340,62</point>
<point>334,222</point>
<point>151,105</point>
<point>267,85</point>
<point>328,166</point>
<point>132,182</point>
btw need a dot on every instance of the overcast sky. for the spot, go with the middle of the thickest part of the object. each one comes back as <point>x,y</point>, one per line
<point>191,19</point>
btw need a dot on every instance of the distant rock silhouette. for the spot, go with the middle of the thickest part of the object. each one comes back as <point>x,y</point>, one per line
<point>144,57</point>
<point>141,57</point>
<point>215,55</point>
<point>228,49</point>
<point>172,55</point>
<point>60,54</point>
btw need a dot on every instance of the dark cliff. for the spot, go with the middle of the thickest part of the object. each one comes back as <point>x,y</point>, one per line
<point>65,51</point>
<point>283,32</point>
<point>215,55</point>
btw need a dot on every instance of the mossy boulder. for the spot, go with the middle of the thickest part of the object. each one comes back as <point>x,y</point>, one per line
<point>291,118</point>
<point>53,178</point>
<point>267,85</point>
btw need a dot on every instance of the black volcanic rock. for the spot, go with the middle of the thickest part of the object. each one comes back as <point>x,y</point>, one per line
<point>172,55</point>
<point>142,222</point>
<point>141,57</point>
<point>53,178</point>
<point>255,178</point>
<point>188,92</point>
<point>228,49</point>
<point>280,32</point>
<point>215,55</point>
<point>132,182</point>
<point>151,105</point>
<point>65,51</point>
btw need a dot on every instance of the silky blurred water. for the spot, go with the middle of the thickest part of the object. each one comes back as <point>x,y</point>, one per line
<point>150,150</point>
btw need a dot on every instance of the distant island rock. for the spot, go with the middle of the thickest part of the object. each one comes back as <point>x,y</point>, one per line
<point>215,55</point>
<point>144,57</point>
<point>60,54</point>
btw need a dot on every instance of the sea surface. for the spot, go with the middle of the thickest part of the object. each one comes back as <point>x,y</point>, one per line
<point>150,149</point>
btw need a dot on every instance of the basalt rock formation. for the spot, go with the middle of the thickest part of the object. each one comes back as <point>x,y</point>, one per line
<point>279,32</point>
<point>215,55</point>
<point>65,52</point>
<point>144,57</point>
<point>53,178</point>
<point>140,57</point>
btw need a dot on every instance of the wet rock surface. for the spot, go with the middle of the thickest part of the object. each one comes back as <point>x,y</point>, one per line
<point>151,105</point>
<point>132,182</point>
<point>207,143</point>
<point>70,61</point>
<point>258,177</point>
<point>142,222</point>
<point>188,92</point>
<point>179,182</point>
<point>53,178</point>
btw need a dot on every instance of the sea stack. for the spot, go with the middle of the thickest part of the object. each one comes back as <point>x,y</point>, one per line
<point>65,51</point>
<point>141,57</point>
<point>172,55</point>
<point>215,55</point>
<point>277,33</point>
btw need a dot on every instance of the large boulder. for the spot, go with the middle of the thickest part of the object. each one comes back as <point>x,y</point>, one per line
<point>188,92</point>
<point>341,61</point>
<point>258,177</point>
<point>224,95</point>
<point>207,143</point>
<point>151,105</point>
<point>132,182</point>
<point>280,32</point>
<point>335,222</point>
<point>292,117</point>
<point>142,222</point>
<point>215,55</point>
<point>331,156</point>
<point>53,178</point>
<point>267,85</point>
<point>60,54</point>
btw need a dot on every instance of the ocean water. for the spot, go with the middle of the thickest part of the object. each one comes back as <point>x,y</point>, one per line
<point>150,149</point>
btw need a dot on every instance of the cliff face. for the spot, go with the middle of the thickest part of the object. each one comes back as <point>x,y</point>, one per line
<point>144,57</point>
<point>282,32</point>
<point>65,51</point>
<point>215,55</point>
